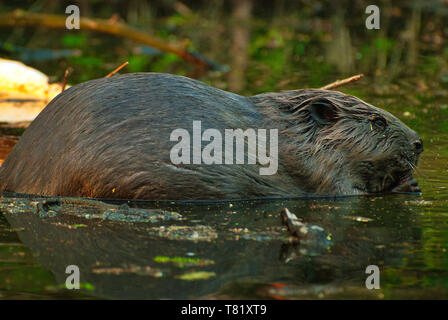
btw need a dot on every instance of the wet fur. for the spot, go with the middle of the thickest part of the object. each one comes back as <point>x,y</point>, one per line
<point>109,138</point>
<point>363,150</point>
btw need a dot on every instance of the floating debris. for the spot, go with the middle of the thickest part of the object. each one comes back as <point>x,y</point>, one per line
<point>127,214</point>
<point>201,275</point>
<point>132,269</point>
<point>357,218</point>
<point>420,203</point>
<point>184,261</point>
<point>86,208</point>
<point>194,233</point>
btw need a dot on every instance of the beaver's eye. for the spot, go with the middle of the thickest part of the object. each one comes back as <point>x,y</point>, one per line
<point>377,122</point>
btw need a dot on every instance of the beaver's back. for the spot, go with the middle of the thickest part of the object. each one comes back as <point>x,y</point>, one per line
<point>110,138</point>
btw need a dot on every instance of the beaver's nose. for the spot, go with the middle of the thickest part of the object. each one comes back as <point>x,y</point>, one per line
<point>418,145</point>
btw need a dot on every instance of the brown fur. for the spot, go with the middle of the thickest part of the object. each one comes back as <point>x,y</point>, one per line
<point>109,138</point>
<point>366,145</point>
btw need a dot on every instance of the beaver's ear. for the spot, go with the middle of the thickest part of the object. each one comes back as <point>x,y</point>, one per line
<point>323,112</point>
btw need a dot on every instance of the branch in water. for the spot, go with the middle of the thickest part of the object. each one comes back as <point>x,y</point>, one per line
<point>24,18</point>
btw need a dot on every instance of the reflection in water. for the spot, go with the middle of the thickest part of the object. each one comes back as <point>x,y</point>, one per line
<point>237,249</point>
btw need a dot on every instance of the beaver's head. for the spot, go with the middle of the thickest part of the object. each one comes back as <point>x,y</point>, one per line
<point>343,145</point>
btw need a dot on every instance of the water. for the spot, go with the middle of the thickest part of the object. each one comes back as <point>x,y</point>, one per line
<point>242,249</point>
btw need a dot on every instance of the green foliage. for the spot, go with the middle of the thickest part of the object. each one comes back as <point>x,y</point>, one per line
<point>384,44</point>
<point>137,63</point>
<point>74,40</point>
<point>165,62</point>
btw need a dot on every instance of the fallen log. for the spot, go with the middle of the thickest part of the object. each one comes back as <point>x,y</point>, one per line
<point>119,29</point>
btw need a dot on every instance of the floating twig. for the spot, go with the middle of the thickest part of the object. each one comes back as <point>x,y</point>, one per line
<point>295,227</point>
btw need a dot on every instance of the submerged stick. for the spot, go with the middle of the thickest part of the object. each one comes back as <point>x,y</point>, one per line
<point>339,83</point>
<point>303,232</point>
<point>295,227</point>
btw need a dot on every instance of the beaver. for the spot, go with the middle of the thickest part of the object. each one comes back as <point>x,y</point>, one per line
<point>113,138</point>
